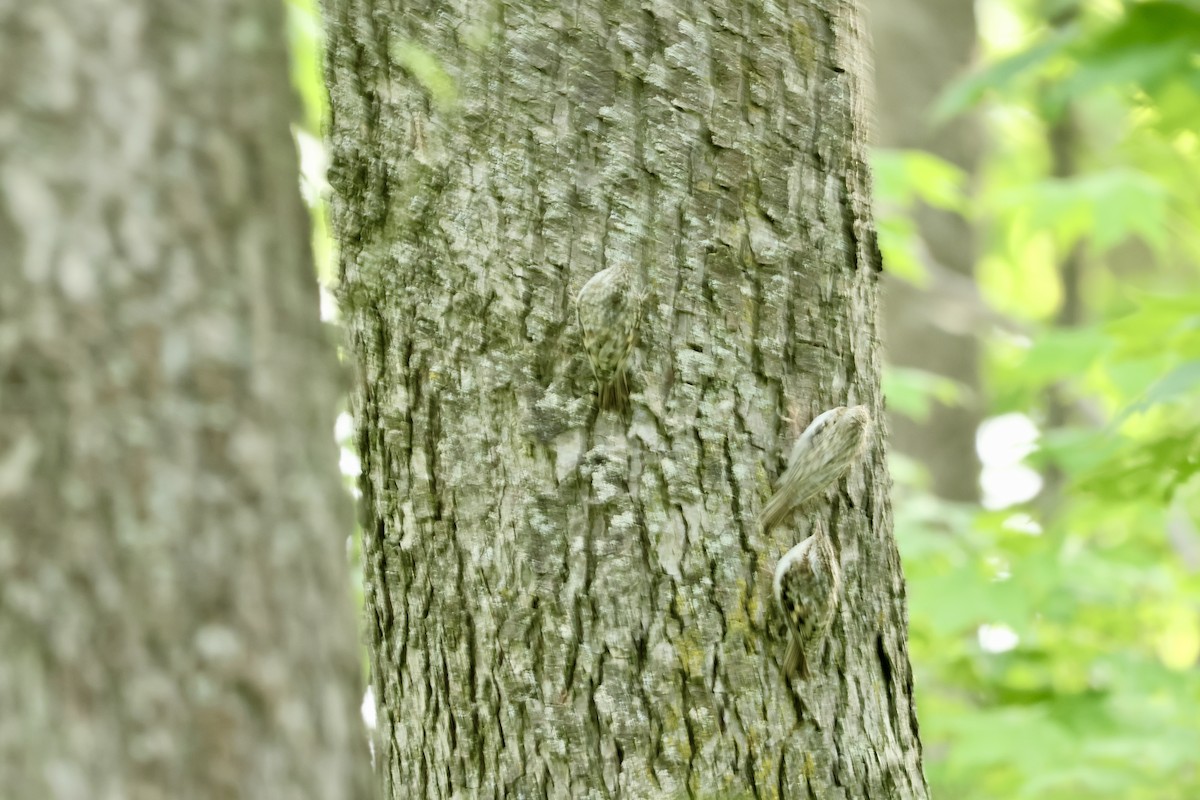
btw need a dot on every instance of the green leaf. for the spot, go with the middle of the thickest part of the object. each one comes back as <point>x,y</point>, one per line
<point>898,242</point>
<point>1182,381</point>
<point>1153,42</point>
<point>966,92</point>
<point>1158,324</point>
<point>903,177</point>
<point>1062,352</point>
<point>1108,207</point>
<point>913,392</point>
<point>900,176</point>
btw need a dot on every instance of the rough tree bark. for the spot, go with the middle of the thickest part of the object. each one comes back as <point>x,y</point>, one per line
<point>935,328</point>
<point>175,616</point>
<point>563,603</point>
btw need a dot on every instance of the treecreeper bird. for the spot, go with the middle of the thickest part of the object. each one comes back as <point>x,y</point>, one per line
<point>609,307</point>
<point>808,578</point>
<point>807,585</point>
<point>829,445</point>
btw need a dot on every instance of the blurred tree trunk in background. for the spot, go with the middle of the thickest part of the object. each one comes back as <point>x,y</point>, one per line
<point>920,46</point>
<point>175,615</point>
<point>563,603</point>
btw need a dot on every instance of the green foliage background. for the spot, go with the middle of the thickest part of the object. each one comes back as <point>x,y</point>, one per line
<point>1056,643</point>
<point>1093,688</point>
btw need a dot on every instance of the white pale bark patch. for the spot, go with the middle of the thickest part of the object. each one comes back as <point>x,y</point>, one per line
<point>175,620</point>
<point>568,604</point>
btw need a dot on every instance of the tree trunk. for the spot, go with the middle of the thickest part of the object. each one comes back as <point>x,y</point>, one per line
<point>934,328</point>
<point>175,620</point>
<point>571,603</point>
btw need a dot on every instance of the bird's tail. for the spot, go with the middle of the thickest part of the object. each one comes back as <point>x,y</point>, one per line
<point>794,662</point>
<point>775,510</point>
<point>614,395</point>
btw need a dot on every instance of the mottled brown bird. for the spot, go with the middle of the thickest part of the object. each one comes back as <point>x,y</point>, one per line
<point>808,581</point>
<point>609,307</point>
<point>826,449</point>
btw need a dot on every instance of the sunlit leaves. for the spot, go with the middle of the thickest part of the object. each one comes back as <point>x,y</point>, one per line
<point>900,247</point>
<point>1161,323</point>
<point>1177,640</point>
<point>913,392</point>
<point>1000,75</point>
<point>1103,207</point>
<point>1092,109</point>
<point>1057,354</point>
<point>1153,44</point>
<point>902,178</point>
<point>305,46</point>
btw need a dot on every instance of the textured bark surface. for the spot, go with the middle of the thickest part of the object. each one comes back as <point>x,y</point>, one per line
<point>568,604</point>
<point>175,615</point>
<point>920,46</point>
